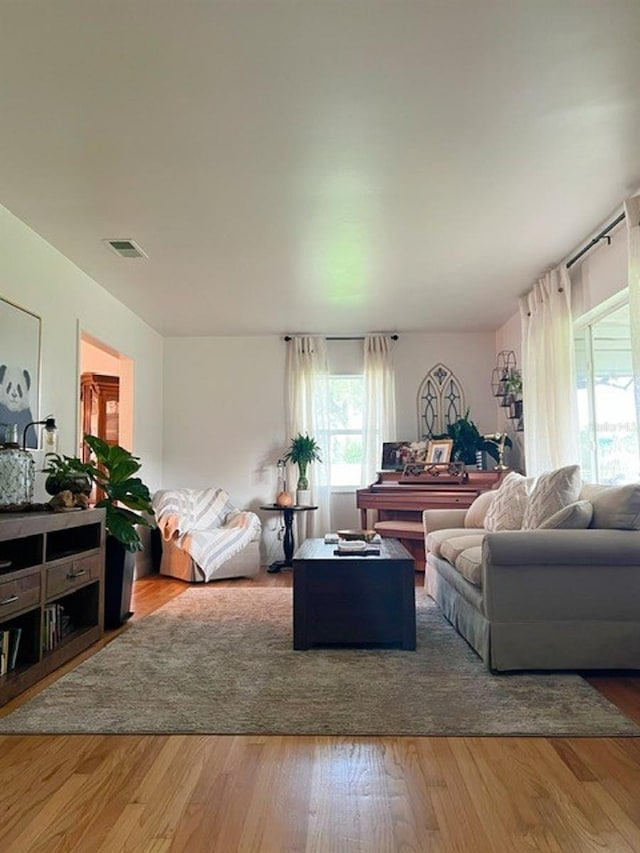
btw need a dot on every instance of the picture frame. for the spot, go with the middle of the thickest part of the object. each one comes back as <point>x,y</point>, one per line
<point>439,451</point>
<point>397,454</point>
<point>20,359</point>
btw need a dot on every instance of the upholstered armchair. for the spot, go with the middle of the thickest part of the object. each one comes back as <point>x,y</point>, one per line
<point>204,536</point>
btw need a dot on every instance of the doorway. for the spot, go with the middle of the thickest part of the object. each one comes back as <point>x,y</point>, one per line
<point>106,394</point>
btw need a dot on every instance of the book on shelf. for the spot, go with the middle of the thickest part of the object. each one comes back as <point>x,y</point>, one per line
<point>14,645</point>
<point>9,646</point>
<point>4,652</point>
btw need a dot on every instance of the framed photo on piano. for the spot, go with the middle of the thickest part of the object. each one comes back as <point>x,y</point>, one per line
<point>439,451</point>
<point>397,454</point>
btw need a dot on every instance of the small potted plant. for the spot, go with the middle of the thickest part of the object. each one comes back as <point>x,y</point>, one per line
<point>303,450</point>
<point>67,473</point>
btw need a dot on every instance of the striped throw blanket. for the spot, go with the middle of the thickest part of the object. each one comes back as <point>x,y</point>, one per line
<point>205,524</point>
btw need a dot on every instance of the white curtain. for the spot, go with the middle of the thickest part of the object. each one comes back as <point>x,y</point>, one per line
<point>632,213</point>
<point>548,375</point>
<point>379,403</point>
<point>308,413</point>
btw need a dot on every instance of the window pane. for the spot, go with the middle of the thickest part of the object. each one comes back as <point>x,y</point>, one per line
<point>346,423</point>
<point>585,421</point>
<point>346,402</point>
<point>346,459</point>
<point>608,427</point>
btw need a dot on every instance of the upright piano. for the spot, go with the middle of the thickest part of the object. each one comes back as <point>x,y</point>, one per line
<point>399,503</point>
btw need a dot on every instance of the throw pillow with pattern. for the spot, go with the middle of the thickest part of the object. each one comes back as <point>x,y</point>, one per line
<point>509,504</point>
<point>552,492</point>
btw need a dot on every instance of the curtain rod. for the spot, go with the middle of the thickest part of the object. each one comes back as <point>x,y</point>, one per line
<point>603,235</point>
<point>347,338</point>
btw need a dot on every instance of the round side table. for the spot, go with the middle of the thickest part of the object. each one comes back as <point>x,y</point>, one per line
<point>288,543</point>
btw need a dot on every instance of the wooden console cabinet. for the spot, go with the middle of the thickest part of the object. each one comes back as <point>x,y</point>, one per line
<point>51,592</point>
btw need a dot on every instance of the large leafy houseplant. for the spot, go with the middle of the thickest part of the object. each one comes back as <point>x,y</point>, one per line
<point>468,440</point>
<point>303,450</point>
<point>126,496</point>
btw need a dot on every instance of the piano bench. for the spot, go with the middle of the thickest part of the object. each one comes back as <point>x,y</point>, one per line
<point>398,529</point>
<point>410,533</point>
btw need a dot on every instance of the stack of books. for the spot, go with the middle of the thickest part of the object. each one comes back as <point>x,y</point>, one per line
<point>57,625</point>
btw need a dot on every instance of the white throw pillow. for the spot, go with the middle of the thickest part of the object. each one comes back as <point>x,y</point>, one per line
<point>552,491</point>
<point>509,504</point>
<point>477,512</point>
<point>576,516</point>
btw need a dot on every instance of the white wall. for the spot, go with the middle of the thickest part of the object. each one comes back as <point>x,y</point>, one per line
<point>224,419</point>
<point>470,356</point>
<point>37,277</point>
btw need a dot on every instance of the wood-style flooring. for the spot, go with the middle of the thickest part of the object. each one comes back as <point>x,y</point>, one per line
<point>84,794</point>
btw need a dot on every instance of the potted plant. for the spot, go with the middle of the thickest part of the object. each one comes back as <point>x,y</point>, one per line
<point>67,473</point>
<point>513,384</point>
<point>126,498</point>
<point>468,441</point>
<point>303,450</point>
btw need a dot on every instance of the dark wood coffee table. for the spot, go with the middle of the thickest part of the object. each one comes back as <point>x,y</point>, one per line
<point>355,600</point>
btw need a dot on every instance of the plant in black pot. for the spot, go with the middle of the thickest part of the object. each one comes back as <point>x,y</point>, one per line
<point>468,441</point>
<point>125,500</point>
<point>67,473</point>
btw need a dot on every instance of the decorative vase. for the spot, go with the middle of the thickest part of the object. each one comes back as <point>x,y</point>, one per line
<point>303,497</point>
<point>284,499</point>
<point>17,477</point>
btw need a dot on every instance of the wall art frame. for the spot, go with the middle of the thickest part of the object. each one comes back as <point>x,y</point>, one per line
<point>20,370</point>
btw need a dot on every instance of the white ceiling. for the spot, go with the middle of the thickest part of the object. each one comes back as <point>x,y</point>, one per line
<point>331,166</point>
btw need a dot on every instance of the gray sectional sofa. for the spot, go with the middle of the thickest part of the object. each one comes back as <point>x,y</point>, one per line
<point>543,599</point>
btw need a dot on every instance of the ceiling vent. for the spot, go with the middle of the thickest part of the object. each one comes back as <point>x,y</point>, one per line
<point>126,248</point>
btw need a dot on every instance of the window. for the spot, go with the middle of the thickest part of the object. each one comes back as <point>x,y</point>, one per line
<point>606,407</point>
<point>346,425</point>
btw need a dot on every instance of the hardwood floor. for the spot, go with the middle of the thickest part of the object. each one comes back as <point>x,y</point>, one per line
<point>82,794</point>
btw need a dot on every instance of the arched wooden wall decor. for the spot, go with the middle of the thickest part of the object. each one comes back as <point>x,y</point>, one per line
<point>440,401</point>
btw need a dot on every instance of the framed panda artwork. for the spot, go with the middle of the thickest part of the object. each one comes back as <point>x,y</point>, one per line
<point>19,370</point>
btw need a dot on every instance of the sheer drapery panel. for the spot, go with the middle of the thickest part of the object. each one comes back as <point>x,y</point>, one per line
<point>548,374</point>
<point>308,413</point>
<point>379,403</point>
<point>632,215</point>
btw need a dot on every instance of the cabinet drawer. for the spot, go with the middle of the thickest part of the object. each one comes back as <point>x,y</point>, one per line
<point>18,594</point>
<point>72,574</point>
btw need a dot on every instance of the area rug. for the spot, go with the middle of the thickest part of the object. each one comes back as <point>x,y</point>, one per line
<point>221,661</point>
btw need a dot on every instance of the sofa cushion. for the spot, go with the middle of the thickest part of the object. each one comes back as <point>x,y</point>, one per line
<point>552,491</point>
<point>452,547</point>
<point>477,512</point>
<point>437,537</point>
<point>469,564</point>
<point>575,516</point>
<point>614,507</point>
<point>508,506</point>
